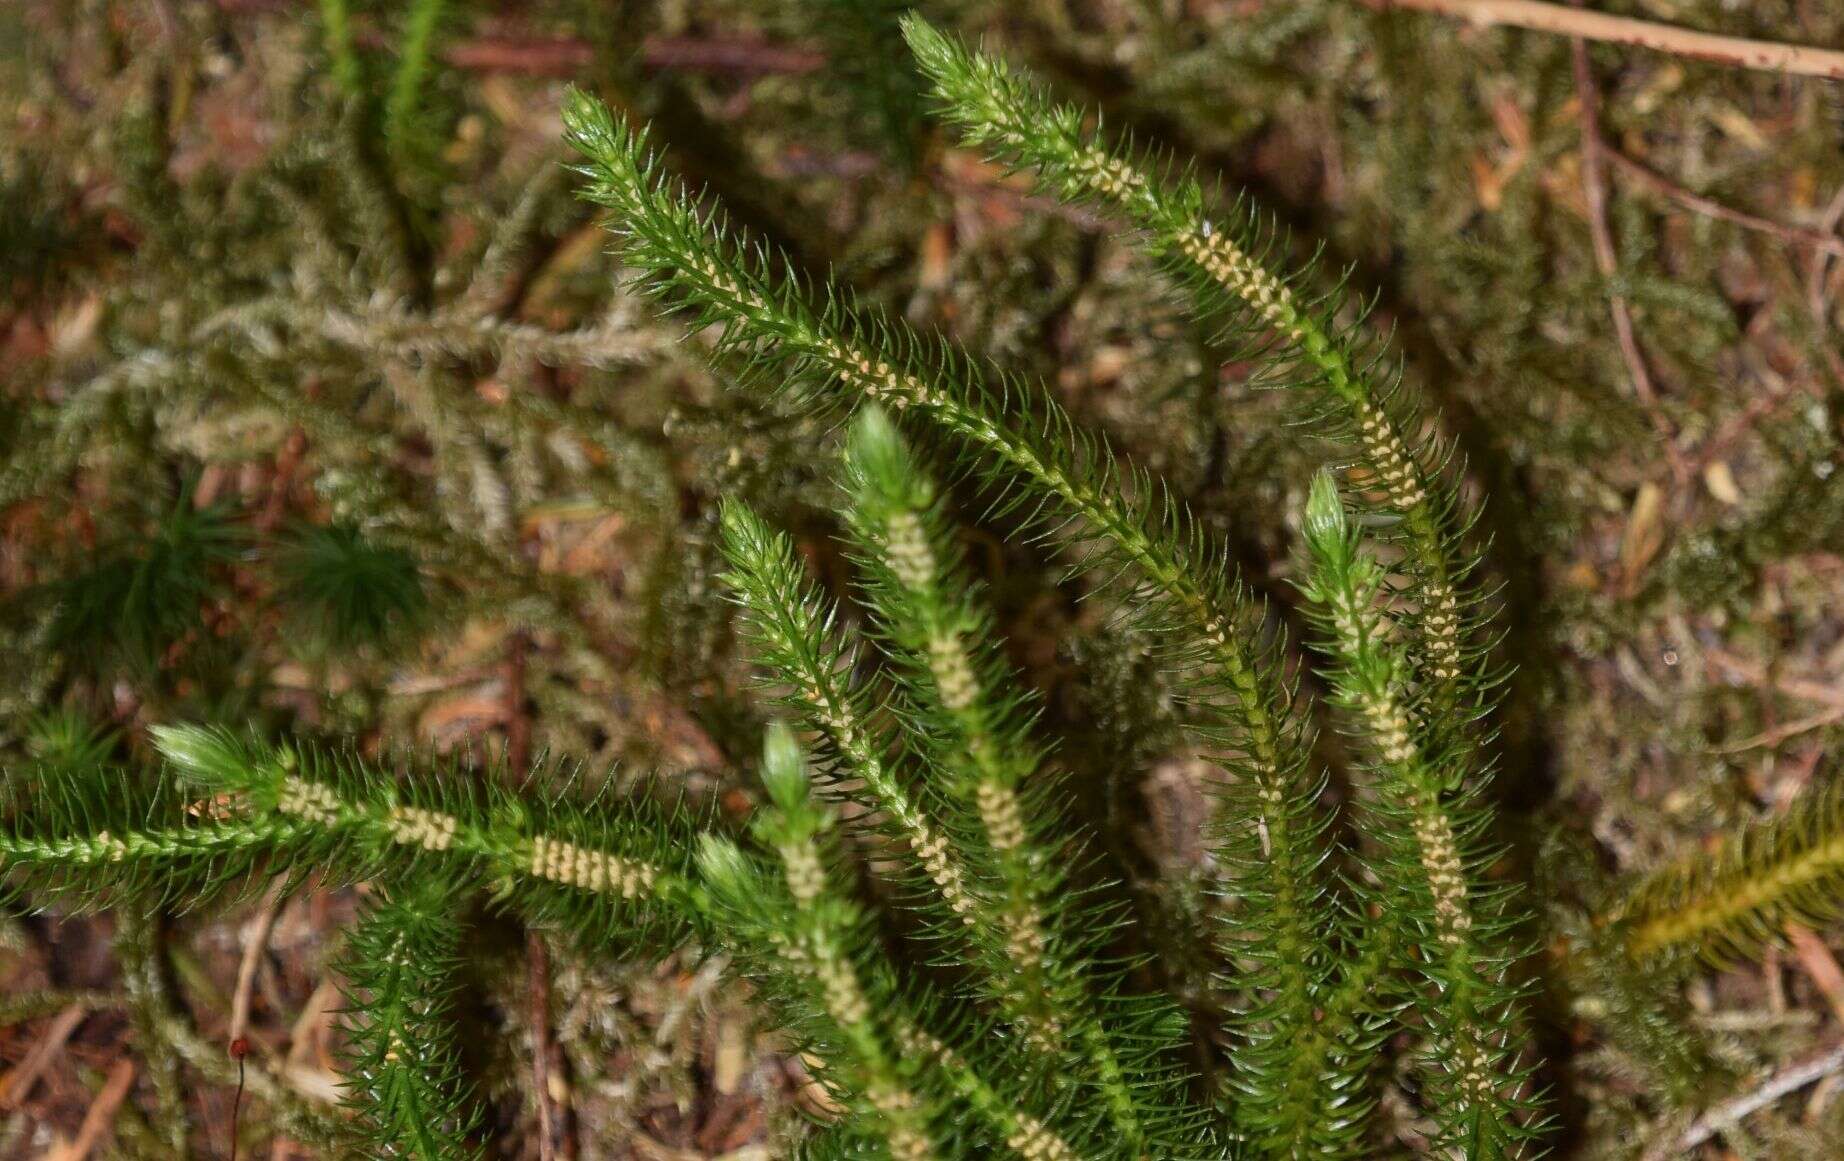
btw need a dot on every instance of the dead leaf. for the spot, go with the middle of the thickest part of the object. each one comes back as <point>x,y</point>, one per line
<point>1645,531</point>
<point>1721,483</point>
<point>74,326</point>
<point>1738,125</point>
<point>937,258</point>
<point>466,714</point>
<point>1488,185</point>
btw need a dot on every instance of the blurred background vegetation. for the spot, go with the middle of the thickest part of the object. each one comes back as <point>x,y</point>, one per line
<point>322,408</point>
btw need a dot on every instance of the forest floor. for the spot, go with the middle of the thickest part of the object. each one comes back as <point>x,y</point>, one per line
<point>1618,282</point>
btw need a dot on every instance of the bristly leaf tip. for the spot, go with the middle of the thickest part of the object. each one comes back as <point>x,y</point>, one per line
<point>1327,526</point>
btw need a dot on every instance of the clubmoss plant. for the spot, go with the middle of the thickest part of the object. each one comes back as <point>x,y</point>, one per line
<point>405,1086</point>
<point>1727,903</point>
<point>139,598</point>
<point>1032,459</point>
<point>347,591</point>
<point>1290,933</point>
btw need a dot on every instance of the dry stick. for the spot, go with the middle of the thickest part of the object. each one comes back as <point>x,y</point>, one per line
<point>554,1125</point>
<point>518,725</point>
<point>235,1036</point>
<point>287,462</point>
<point>1821,265</point>
<point>1594,188</point>
<point>1723,438</point>
<point>1824,693</point>
<point>253,948</point>
<point>16,1085</point>
<point>305,1039</point>
<point>1829,696</point>
<point>566,57</point>
<point>1730,1113</point>
<point>1818,299</point>
<point>1823,240</point>
<point>1819,964</point>
<point>1767,739</point>
<point>538,968</point>
<point>101,1114</point>
<point>1797,59</point>
<point>518,755</point>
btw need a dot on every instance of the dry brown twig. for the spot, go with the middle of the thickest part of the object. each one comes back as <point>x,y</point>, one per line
<point>1594,189</point>
<point>1732,1112</point>
<point>1818,287</point>
<point>518,725</point>
<point>287,462</point>
<point>1773,737</point>
<point>1831,697</point>
<point>1738,52</point>
<point>565,56</point>
<point>101,1115</point>
<point>256,942</point>
<point>556,1132</point>
<point>556,1135</point>
<point>1819,965</point>
<point>1777,393</point>
<point>17,1084</point>
<point>562,56</point>
<point>1824,693</point>
<point>1821,240</point>
<point>1821,265</point>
